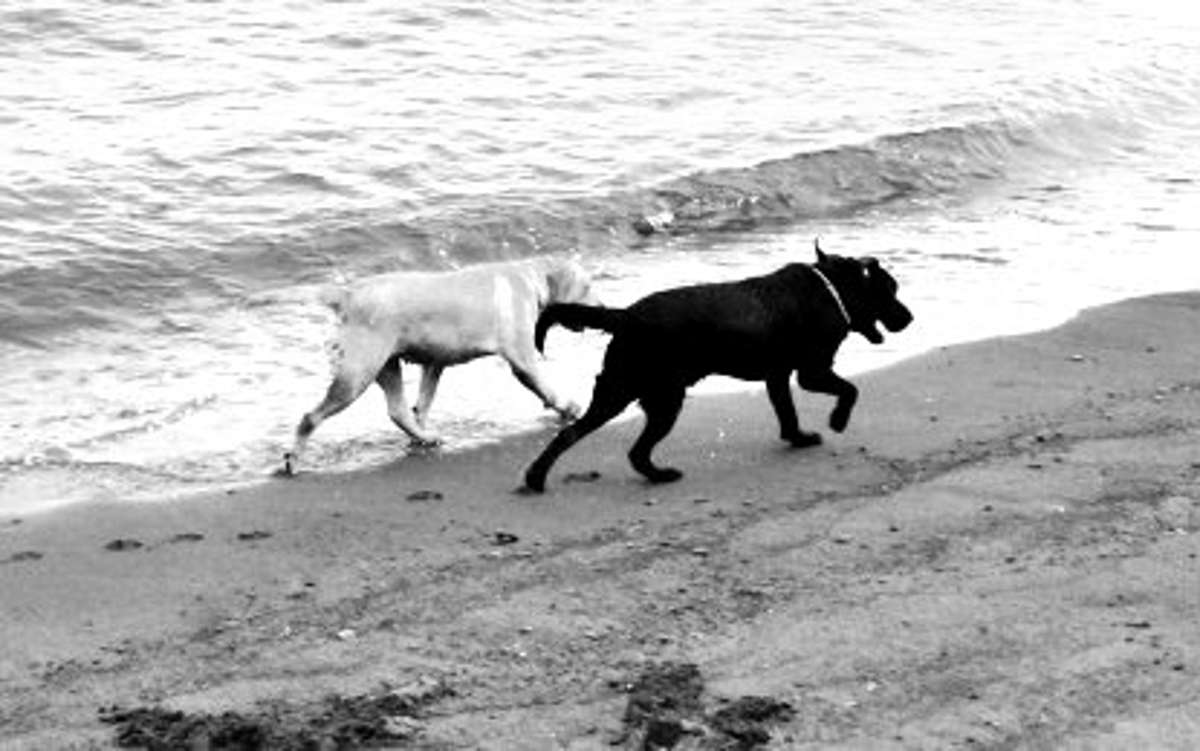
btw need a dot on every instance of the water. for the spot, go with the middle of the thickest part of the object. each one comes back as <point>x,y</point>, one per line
<point>180,180</point>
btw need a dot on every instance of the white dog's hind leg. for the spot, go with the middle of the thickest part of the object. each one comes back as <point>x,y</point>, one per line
<point>430,375</point>
<point>393,387</point>
<point>345,388</point>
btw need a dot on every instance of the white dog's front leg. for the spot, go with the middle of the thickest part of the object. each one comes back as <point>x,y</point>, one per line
<point>393,387</point>
<point>530,376</point>
<point>430,375</point>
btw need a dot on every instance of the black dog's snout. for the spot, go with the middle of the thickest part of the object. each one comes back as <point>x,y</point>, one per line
<point>898,318</point>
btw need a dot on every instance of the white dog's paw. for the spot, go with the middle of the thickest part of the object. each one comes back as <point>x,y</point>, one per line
<point>289,466</point>
<point>569,412</point>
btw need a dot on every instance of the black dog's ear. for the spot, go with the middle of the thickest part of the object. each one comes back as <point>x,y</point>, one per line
<point>817,247</point>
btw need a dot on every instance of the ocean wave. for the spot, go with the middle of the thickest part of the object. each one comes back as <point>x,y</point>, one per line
<point>912,170</point>
<point>896,171</point>
<point>905,171</point>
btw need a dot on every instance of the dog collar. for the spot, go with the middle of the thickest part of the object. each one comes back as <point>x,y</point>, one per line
<point>836,297</point>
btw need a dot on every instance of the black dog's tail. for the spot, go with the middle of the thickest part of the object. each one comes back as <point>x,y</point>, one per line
<point>576,317</point>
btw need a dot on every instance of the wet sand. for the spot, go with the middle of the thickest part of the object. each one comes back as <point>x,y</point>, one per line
<point>1000,552</point>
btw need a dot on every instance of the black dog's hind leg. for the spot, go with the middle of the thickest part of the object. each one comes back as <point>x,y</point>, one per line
<point>662,409</point>
<point>780,393</point>
<point>607,402</point>
<point>828,382</point>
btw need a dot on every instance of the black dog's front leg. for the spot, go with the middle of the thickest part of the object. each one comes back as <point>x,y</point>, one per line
<point>828,382</point>
<point>780,393</point>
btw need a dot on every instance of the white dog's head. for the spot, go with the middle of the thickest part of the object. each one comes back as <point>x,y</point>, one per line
<point>569,282</point>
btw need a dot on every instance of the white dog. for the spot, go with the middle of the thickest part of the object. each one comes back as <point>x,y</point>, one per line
<point>436,319</point>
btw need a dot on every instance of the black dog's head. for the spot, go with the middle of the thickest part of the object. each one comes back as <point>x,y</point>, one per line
<point>869,293</point>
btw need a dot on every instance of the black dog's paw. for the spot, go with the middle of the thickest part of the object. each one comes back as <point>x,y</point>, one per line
<point>839,419</point>
<point>803,439</point>
<point>659,475</point>
<point>534,484</point>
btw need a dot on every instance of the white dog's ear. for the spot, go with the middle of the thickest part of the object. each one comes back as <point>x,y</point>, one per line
<point>559,279</point>
<point>817,247</point>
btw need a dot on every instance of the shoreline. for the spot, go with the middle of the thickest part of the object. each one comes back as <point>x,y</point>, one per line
<point>54,487</point>
<point>956,461</point>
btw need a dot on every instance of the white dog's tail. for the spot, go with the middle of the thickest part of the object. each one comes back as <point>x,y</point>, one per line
<point>336,295</point>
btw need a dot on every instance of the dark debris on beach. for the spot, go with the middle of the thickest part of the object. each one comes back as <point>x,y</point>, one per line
<point>383,719</point>
<point>666,706</point>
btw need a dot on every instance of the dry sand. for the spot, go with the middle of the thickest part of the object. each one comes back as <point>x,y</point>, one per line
<point>1001,552</point>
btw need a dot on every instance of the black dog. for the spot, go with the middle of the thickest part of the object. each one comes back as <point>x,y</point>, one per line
<point>758,329</point>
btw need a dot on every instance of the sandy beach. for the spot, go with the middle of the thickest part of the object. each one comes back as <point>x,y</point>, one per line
<point>1000,552</point>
